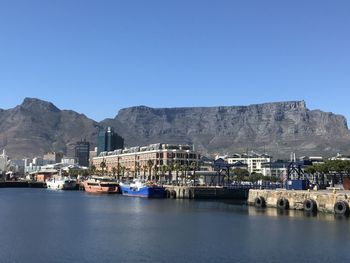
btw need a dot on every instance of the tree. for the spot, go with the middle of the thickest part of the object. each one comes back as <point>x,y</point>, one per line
<point>310,170</point>
<point>114,171</point>
<point>119,170</point>
<point>103,166</point>
<point>122,168</point>
<point>170,168</point>
<point>184,170</point>
<point>332,169</point>
<point>254,177</point>
<point>155,171</point>
<point>137,170</point>
<point>150,165</point>
<point>177,168</point>
<point>163,169</point>
<point>240,174</point>
<point>144,168</point>
<point>92,169</point>
<point>193,167</point>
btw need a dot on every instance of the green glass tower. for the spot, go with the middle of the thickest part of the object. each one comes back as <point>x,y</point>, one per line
<point>108,141</point>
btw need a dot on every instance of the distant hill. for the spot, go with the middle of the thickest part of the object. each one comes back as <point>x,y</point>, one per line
<point>37,126</point>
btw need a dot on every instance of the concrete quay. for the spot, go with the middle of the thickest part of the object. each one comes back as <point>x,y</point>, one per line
<point>205,192</point>
<point>326,201</point>
<point>22,184</point>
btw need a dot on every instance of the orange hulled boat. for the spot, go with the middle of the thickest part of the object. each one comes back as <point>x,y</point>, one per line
<point>101,185</point>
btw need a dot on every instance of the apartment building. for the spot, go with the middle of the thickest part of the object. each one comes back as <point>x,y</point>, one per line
<point>253,161</point>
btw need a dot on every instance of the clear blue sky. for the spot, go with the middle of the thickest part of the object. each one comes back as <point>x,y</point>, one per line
<point>96,57</point>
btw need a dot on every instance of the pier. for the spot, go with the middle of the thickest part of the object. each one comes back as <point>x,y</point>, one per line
<point>327,201</point>
<point>206,192</point>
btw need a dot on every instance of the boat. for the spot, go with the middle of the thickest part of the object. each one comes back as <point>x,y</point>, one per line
<point>101,185</point>
<point>61,183</point>
<point>140,189</point>
<point>346,183</point>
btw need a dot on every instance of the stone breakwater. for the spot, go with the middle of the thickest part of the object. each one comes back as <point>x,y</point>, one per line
<point>327,201</point>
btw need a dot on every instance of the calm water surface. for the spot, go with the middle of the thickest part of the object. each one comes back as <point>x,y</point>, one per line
<point>38,225</point>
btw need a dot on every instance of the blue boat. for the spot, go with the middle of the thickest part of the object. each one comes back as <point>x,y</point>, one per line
<point>140,189</point>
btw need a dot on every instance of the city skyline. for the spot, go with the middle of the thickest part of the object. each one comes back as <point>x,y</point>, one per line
<point>97,58</point>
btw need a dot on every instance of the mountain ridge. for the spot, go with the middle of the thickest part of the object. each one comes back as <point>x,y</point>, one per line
<point>37,126</point>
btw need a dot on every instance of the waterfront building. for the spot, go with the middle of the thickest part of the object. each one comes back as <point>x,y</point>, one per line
<point>53,157</point>
<point>340,157</point>
<point>92,154</point>
<point>17,166</point>
<point>252,160</point>
<point>69,161</point>
<point>206,164</point>
<point>38,161</point>
<point>136,160</point>
<point>108,141</point>
<point>43,175</point>
<point>275,169</point>
<point>30,168</point>
<point>4,161</point>
<point>82,152</point>
<point>312,159</point>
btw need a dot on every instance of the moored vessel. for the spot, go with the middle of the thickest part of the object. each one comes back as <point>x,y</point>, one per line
<point>61,183</point>
<point>101,185</point>
<point>140,189</point>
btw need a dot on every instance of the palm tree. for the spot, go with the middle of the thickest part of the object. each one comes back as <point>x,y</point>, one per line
<point>194,167</point>
<point>185,168</point>
<point>137,170</point>
<point>128,172</point>
<point>150,165</point>
<point>144,168</point>
<point>163,169</point>
<point>103,166</point>
<point>92,169</point>
<point>114,171</point>
<point>177,168</point>
<point>119,170</point>
<point>155,172</point>
<point>170,169</point>
<point>122,168</point>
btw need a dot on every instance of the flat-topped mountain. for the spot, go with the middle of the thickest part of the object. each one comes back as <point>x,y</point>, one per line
<point>37,126</point>
<point>277,128</point>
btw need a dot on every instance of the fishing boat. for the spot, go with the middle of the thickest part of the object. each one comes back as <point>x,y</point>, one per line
<point>101,185</point>
<point>140,189</point>
<point>61,183</point>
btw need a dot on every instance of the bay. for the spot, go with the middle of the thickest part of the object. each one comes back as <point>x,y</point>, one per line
<point>39,225</point>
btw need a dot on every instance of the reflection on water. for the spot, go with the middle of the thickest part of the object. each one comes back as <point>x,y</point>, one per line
<point>293,214</point>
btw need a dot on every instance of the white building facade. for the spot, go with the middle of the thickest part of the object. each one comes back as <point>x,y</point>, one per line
<point>4,161</point>
<point>254,161</point>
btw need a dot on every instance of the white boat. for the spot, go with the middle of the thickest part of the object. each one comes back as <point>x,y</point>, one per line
<point>65,183</point>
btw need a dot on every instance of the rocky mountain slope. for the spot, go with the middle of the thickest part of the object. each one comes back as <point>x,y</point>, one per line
<point>37,126</point>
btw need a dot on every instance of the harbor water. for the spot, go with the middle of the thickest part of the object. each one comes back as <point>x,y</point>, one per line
<point>39,225</point>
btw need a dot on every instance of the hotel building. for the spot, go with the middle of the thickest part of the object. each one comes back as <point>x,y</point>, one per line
<point>135,159</point>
